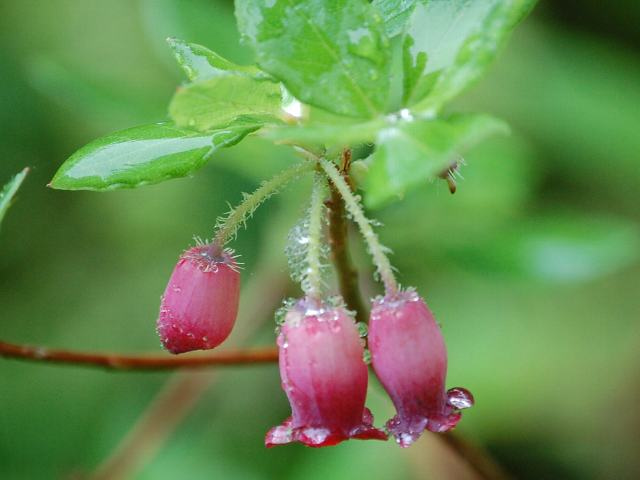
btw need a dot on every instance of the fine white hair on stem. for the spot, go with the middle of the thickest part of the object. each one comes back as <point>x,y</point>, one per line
<point>376,249</point>
<point>227,226</point>
<point>306,251</point>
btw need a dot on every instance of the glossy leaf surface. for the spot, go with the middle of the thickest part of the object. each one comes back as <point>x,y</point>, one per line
<point>143,155</point>
<point>411,152</point>
<point>331,54</point>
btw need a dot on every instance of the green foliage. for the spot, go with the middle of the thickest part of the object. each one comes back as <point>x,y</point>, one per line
<point>329,53</point>
<point>396,15</point>
<point>348,133</point>
<point>143,155</point>
<point>410,152</point>
<point>448,44</point>
<point>346,61</point>
<point>200,63</point>
<point>9,191</point>
<point>217,101</point>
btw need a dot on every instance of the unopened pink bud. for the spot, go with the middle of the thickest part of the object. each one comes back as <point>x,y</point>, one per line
<point>410,359</point>
<point>200,304</point>
<point>325,378</point>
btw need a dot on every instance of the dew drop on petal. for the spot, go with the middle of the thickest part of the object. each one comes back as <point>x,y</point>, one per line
<point>460,398</point>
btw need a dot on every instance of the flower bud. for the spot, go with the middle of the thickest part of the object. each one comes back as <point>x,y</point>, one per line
<point>200,304</point>
<point>324,376</point>
<point>410,359</point>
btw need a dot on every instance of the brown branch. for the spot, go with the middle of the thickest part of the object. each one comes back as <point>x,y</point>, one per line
<point>338,239</point>
<point>115,361</point>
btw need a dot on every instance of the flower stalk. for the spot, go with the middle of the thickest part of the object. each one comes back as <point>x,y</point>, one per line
<point>313,284</point>
<point>347,275</point>
<point>227,226</point>
<point>376,249</point>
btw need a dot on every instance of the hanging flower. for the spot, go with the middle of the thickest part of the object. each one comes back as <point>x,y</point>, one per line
<point>200,304</point>
<point>410,359</point>
<point>324,376</point>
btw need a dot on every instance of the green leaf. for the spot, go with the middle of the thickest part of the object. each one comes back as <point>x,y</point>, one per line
<point>332,54</point>
<point>450,43</point>
<point>220,100</point>
<point>200,63</point>
<point>396,14</point>
<point>323,134</point>
<point>410,152</point>
<point>144,155</point>
<point>9,191</point>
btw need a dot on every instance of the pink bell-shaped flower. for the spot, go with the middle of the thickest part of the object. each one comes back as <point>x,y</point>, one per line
<point>324,376</point>
<point>200,304</point>
<point>410,359</point>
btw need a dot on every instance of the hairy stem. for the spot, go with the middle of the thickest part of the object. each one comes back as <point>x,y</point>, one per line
<point>115,361</point>
<point>313,284</point>
<point>376,249</point>
<point>228,226</point>
<point>338,239</point>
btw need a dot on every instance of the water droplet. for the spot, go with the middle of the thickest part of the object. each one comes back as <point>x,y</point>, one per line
<point>363,44</point>
<point>316,435</point>
<point>460,398</point>
<point>363,330</point>
<point>406,439</point>
<point>366,356</point>
<point>405,114</point>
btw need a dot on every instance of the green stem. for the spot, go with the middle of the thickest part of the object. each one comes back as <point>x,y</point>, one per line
<point>347,275</point>
<point>376,249</point>
<point>228,226</point>
<point>313,288</point>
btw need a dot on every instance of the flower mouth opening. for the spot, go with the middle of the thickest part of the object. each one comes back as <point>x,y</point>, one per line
<point>316,437</point>
<point>407,428</point>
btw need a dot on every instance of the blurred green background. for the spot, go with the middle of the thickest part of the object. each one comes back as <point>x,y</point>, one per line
<point>531,267</point>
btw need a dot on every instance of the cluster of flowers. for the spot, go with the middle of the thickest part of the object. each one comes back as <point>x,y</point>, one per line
<point>321,355</point>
